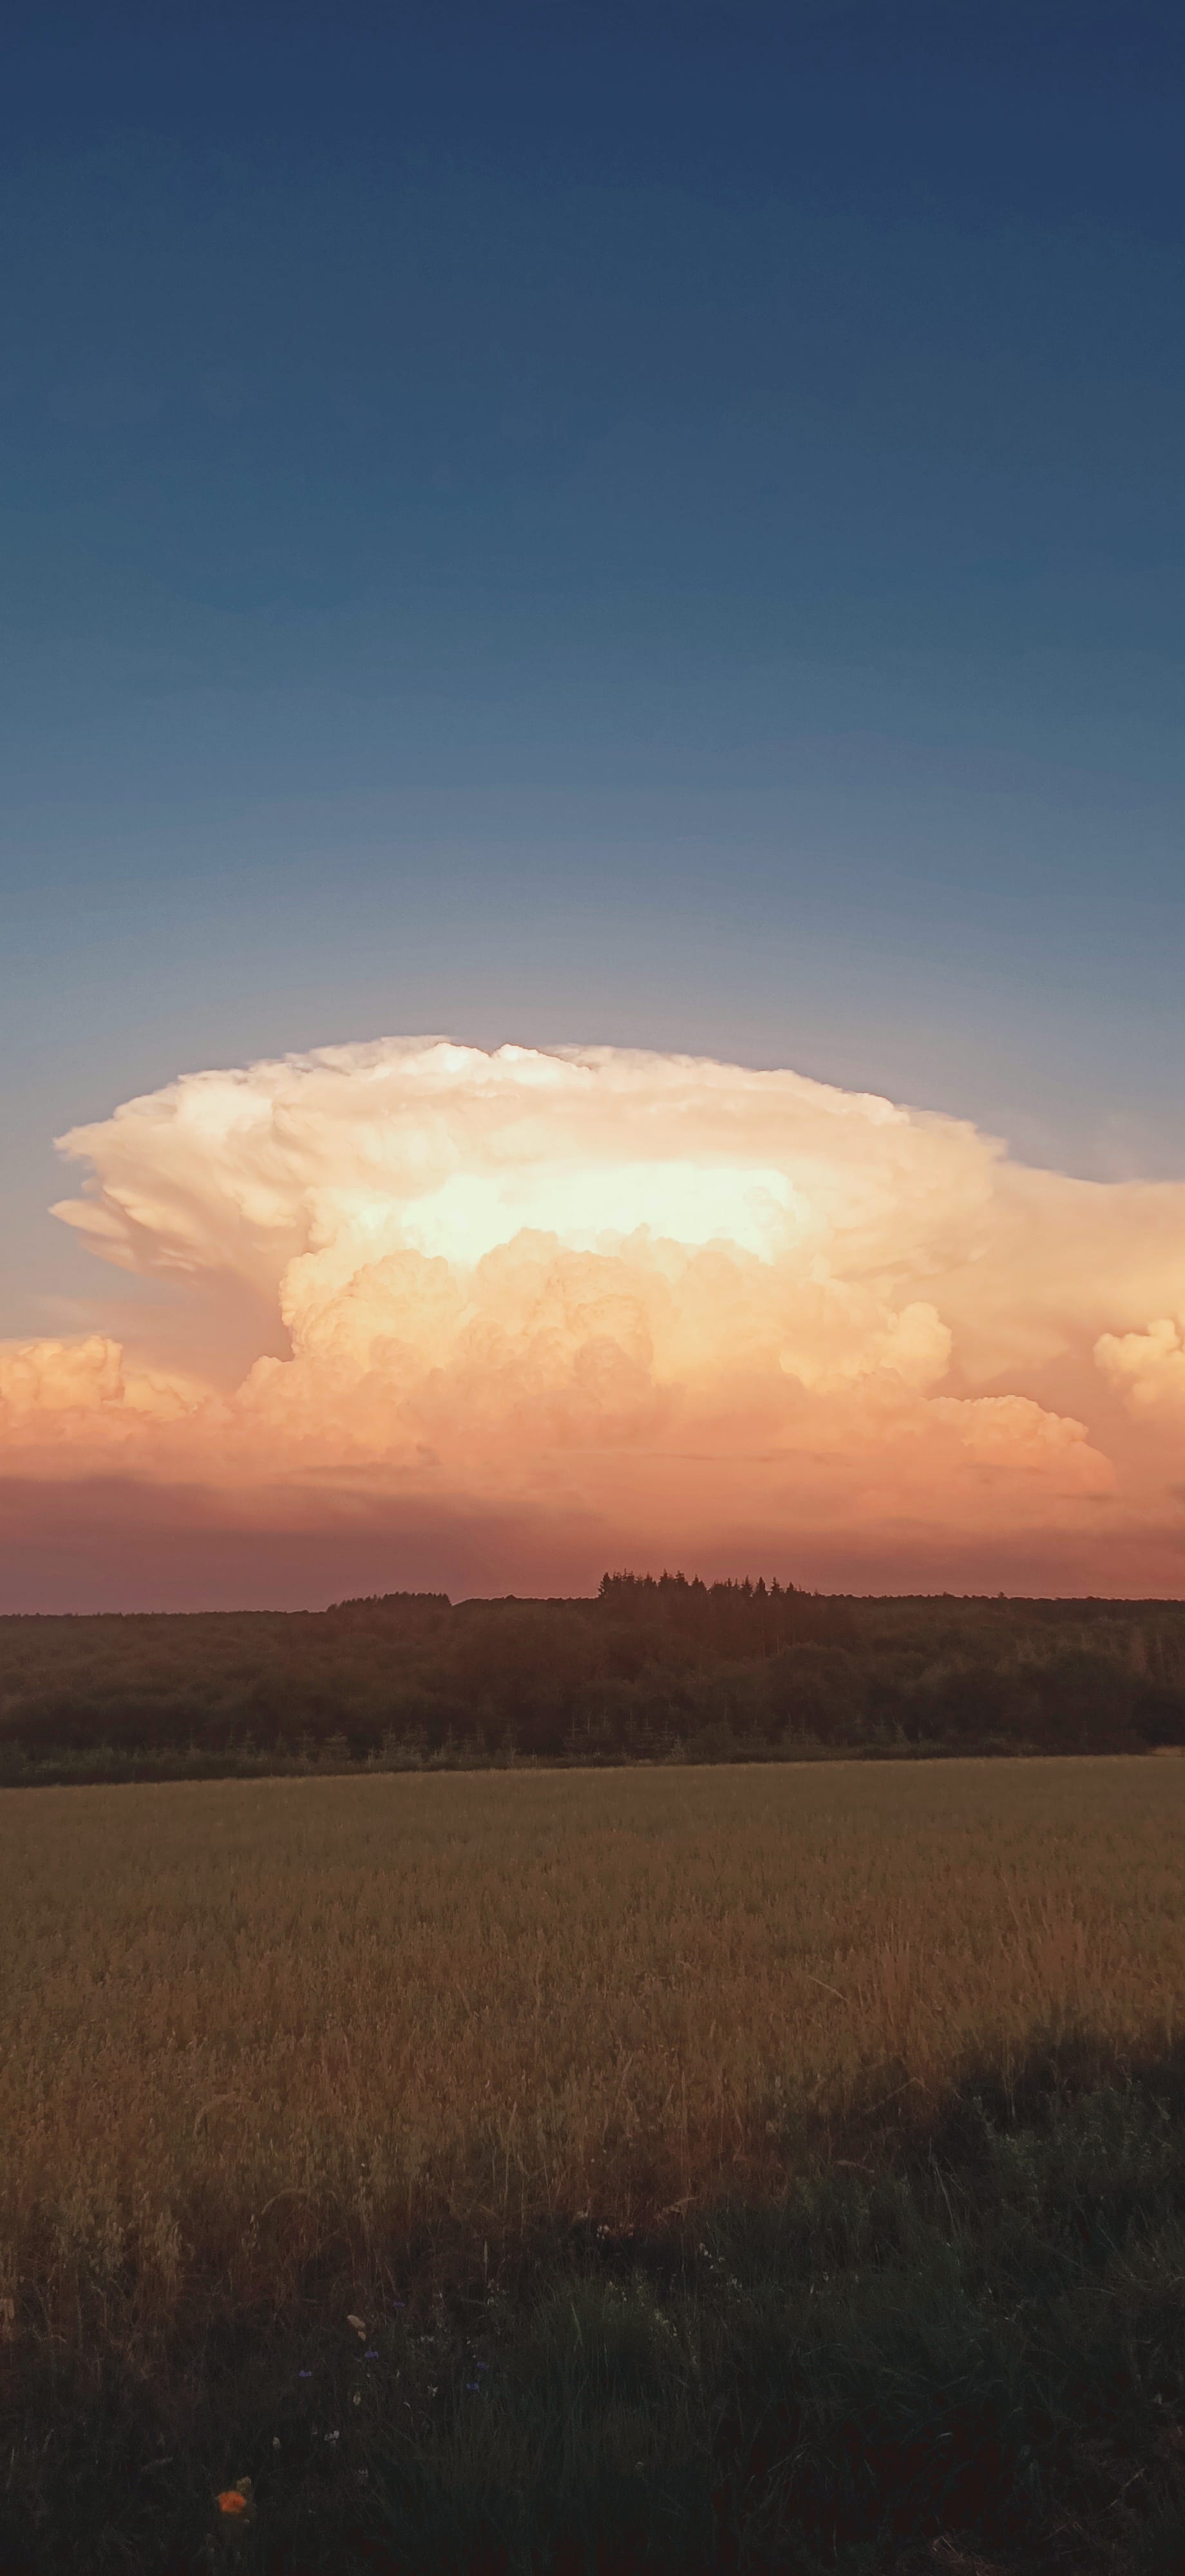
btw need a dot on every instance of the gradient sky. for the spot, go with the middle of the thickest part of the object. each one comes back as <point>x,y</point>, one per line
<point>641,523</point>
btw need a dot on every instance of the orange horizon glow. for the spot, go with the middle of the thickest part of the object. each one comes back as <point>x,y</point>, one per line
<point>522,1315</point>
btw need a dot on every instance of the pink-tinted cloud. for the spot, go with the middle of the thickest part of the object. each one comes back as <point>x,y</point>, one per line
<point>548,1311</point>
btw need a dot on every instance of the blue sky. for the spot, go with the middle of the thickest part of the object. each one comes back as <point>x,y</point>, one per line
<point>636,523</point>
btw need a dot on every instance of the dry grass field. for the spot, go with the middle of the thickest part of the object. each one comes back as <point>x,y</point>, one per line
<point>250,2026</point>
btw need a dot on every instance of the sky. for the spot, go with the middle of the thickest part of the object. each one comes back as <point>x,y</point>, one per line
<point>621,528</point>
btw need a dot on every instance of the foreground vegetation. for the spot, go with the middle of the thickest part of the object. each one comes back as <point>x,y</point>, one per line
<point>722,2169</point>
<point>649,1670</point>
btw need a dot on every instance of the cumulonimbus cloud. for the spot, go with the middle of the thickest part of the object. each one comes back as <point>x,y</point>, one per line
<point>694,1308</point>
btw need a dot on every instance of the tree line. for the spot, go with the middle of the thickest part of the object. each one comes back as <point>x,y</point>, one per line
<point>650,1668</point>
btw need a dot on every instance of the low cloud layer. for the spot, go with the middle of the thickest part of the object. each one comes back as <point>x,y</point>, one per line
<point>598,1306</point>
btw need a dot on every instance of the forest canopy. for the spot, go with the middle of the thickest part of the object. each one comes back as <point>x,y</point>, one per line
<point>650,1668</point>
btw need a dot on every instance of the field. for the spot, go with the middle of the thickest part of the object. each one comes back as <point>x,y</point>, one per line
<point>418,2048</point>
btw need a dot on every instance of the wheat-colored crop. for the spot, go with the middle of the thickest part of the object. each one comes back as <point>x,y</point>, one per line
<point>245,2023</point>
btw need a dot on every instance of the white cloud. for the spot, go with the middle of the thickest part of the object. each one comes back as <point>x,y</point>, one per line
<point>682,1295</point>
<point>1148,1368</point>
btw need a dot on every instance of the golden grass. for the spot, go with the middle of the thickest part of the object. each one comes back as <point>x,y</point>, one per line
<point>246,2024</point>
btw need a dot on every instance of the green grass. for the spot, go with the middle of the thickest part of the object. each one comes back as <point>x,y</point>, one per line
<point>970,2341</point>
<point>985,2346</point>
